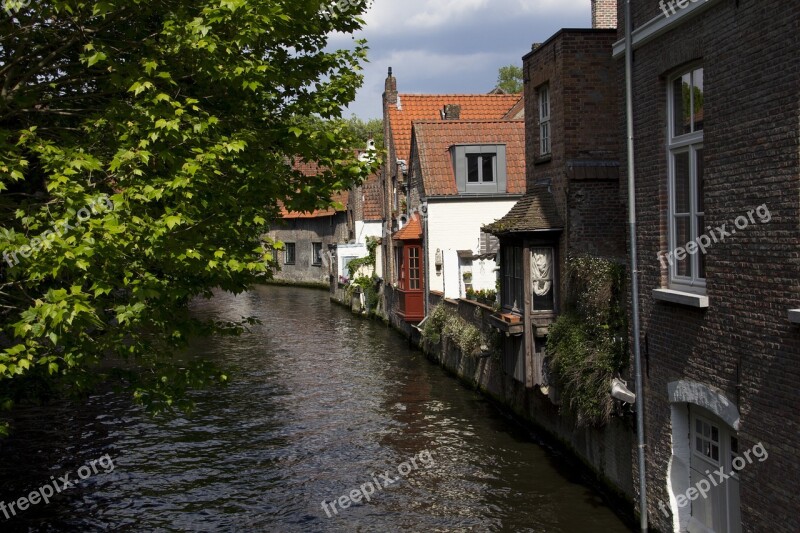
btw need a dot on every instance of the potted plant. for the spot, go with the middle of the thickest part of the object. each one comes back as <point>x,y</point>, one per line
<point>470,294</point>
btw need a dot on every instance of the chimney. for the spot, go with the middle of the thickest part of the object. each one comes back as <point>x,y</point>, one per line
<point>604,14</point>
<point>390,90</point>
<point>451,112</point>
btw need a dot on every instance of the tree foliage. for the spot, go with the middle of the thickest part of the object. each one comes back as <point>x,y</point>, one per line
<point>185,116</point>
<point>509,79</point>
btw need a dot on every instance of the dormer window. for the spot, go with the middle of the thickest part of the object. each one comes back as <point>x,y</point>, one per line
<point>480,169</point>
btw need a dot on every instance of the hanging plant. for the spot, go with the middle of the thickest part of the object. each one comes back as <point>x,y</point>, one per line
<point>588,345</point>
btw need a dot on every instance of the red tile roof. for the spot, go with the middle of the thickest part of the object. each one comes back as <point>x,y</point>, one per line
<point>372,199</point>
<point>411,231</point>
<point>433,140</point>
<point>311,169</point>
<point>428,106</point>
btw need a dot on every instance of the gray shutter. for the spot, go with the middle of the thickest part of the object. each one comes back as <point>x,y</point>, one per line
<point>460,166</point>
<point>501,168</point>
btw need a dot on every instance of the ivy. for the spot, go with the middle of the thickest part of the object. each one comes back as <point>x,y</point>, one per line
<point>587,345</point>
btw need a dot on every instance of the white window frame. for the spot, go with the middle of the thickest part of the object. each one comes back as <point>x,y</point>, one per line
<point>689,143</point>
<point>545,147</point>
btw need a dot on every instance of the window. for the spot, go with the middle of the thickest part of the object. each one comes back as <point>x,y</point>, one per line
<point>511,265</point>
<point>544,120</point>
<point>413,268</point>
<point>316,253</point>
<point>480,168</point>
<point>685,153</point>
<point>542,286</point>
<point>288,257</point>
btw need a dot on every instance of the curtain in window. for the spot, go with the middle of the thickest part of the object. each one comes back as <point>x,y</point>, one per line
<point>541,271</point>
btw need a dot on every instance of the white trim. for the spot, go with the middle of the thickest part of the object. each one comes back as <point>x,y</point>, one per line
<point>660,25</point>
<point>679,297</point>
<point>794,316</point>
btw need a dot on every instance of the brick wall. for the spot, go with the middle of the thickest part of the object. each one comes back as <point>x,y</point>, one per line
<point>604,13</point>
<point>584,100</point>
<point>749,52</point>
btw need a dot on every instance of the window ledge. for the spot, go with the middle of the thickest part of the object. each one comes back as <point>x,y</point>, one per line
<point>689,299</point>
<point>794,316</point>
<point>543,159</point>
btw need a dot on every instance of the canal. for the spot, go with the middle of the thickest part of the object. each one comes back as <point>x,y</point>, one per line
<point>323,407</point>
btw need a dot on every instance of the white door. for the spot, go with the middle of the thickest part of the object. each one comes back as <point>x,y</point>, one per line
<point>714,446</point>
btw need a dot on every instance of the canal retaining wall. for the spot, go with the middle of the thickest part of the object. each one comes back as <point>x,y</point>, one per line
<point>607,451</point>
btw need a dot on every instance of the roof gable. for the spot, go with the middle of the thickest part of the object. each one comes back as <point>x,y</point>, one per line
<point>433,141</point>
<point>411,107</point>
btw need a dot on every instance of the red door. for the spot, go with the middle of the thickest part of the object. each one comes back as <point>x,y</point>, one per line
<point>411,284</point>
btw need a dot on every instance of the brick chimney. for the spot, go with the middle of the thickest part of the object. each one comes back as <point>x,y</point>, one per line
<point>451,112</point>
<point>390,90</point>
<point>604,14</point>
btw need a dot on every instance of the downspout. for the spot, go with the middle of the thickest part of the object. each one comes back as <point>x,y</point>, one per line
<point>427,269</point>
<point>637,356</point>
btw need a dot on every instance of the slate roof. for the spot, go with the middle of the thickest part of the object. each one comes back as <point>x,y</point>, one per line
<point>411,231</point>
<point>533,212</point>
<point>433,140</point>
<point>413,107</point>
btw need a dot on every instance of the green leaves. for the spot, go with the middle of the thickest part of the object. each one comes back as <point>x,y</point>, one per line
<point>188,116</point>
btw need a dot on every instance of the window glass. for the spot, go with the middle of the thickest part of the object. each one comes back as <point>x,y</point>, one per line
<point>683,181</point>
<point>473,171</point>
<point>697,99</point>
<point>681,102</point>
<point>488,168</point>
<point>289,253</point>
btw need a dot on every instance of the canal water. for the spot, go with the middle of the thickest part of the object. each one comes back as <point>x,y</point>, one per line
<point>322,406</point>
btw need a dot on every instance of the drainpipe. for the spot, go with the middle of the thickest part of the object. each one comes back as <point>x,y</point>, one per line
<point>426,260</point>
<point>637,356</point>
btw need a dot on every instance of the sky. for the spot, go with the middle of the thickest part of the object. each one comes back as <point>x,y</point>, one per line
<point>452,46</point>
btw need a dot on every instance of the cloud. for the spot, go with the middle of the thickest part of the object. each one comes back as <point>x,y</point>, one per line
<point>453,46</point>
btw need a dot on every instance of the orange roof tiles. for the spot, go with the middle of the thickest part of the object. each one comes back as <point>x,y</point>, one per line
<point>339,197</point>
<point>372,199</point>
<point>433,140</point>
<point>311,169</point>
<point>411,231</point>
<point>413,107</point>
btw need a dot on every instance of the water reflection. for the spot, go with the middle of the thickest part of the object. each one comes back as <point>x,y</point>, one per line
<point>319,403</point>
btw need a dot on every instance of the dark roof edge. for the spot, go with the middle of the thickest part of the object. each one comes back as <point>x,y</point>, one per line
<point>568,30</point>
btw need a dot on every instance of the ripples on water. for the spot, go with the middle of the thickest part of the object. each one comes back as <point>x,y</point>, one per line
<point>319,401</point>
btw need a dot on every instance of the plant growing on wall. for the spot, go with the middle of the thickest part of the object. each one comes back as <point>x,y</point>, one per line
<point>443,323</point>
<point>588,345</point>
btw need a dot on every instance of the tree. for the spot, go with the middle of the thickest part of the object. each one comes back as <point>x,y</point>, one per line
<point>366,130</point>
<point>509,79</point>
<point>145,146</point>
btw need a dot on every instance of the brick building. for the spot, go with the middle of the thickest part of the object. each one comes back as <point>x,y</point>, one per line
<point>400,111</point>
<point>717,128</point>
<point>572,205</point>
<point>309,238</point>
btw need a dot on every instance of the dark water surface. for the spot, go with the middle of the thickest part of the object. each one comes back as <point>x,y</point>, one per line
<point>320,404</point>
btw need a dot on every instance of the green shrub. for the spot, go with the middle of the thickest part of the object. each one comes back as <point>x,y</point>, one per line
<point>587,344</point>
<point>444,323</point>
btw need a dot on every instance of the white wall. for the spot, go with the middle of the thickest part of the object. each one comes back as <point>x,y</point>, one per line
<point>367,229</point>
<point>456,225</point>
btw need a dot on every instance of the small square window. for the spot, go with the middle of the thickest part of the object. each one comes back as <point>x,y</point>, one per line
<point>289,253</point>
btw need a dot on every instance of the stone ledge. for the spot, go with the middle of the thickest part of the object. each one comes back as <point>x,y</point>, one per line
<point>689,299</point>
